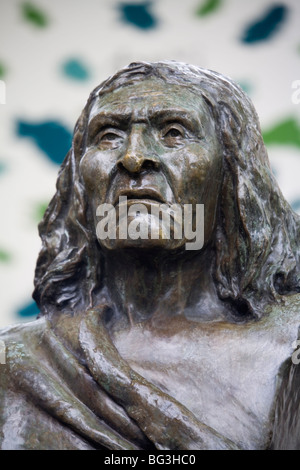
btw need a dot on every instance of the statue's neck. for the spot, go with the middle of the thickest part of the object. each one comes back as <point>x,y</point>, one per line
<point>153,286</point>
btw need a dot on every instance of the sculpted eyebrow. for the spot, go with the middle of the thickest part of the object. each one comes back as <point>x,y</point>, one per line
<point>106,120</point>
<point>156,117</point>
<point>187,119</point>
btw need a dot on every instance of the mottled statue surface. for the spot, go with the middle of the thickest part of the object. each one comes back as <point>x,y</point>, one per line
<point>142,343</point>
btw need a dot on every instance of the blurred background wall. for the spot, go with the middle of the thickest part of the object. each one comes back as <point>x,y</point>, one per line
<point>53,53</point>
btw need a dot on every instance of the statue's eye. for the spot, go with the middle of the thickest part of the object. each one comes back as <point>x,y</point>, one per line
<point>109,138</point>
<point>173,134</point>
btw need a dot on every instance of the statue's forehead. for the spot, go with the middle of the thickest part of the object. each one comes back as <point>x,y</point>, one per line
<point>148,94</point>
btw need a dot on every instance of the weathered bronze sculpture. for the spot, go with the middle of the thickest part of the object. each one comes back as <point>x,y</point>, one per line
<point>141,343</point>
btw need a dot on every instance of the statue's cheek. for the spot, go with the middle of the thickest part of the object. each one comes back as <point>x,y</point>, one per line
<point>94,169</point>
<point>189,168</point>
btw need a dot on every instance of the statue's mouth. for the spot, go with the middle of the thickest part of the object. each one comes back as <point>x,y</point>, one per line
<point>142,194</point>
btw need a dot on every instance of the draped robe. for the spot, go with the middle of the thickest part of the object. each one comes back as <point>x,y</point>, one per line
<point>70,385</point>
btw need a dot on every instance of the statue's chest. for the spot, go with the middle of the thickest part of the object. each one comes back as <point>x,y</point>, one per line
<point>227,375</point>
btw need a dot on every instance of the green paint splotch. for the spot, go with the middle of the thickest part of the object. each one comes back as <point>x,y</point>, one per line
<point>208,6</point>
<point>5,256</point>
<point>266,26</point>
<point>285,133</point>
<point>34,15</point>
<point>75,69</point>
<point>138,14</point>
<point>2,70</point>
<point>49,136</point>
<point>40,210</point>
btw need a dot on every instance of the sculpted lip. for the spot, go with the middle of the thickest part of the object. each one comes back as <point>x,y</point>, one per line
<point>141,193</point>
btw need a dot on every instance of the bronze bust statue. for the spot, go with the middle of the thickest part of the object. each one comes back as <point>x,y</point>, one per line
<point>142,343</point>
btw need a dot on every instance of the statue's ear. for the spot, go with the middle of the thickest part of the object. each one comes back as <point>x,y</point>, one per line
<point>231,126</point>
<point>80,131</point>
<point>64,180</point>
<point>78,139</point>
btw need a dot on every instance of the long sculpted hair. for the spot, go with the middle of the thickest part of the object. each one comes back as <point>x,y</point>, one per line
<point>256,251</point>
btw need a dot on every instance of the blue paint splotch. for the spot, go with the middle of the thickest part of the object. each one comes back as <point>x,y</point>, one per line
<point>50,136</point>
<point>265,27</point>
<point>2,167</point>
<point>246,86</point>
<point>30,310</point>
<point>76,70</point>
<point>138,14</point>
<point>296,205</point>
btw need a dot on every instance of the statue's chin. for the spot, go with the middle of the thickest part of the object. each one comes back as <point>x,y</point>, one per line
<point>145,244</point>
<point>143,232</point>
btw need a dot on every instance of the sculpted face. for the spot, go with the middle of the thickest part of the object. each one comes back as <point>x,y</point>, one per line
<point>153,143</point>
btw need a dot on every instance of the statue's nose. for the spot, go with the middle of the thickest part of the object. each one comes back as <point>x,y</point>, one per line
<point>139,155</point>
<point>132,162</point>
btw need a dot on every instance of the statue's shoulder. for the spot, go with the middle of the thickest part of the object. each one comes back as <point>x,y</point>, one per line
<point>18,341</point>
<point>286,312</point>
<point>286,432</point>
<point>22,330</point>
<point>292,302</point>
